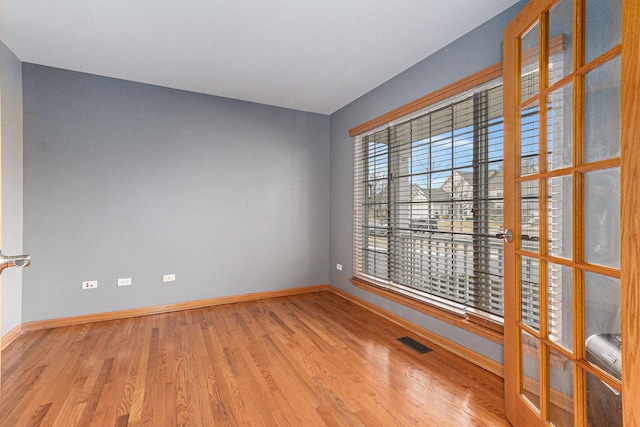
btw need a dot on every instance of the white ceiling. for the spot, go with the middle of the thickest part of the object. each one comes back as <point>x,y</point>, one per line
<point>310,55</point>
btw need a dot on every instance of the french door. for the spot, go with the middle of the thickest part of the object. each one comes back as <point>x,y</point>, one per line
<point>572,144</point>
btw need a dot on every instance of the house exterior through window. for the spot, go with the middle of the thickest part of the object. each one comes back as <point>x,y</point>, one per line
<point>428,203</point>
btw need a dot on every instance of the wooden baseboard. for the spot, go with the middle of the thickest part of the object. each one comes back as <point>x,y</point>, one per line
<point>455,348</point>
<point>11,336</point>
<point>145,311</point>
<point>478,326</point>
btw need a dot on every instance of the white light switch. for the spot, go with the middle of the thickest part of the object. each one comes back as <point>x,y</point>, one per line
<point>124,282</point>
<point>339,267</point>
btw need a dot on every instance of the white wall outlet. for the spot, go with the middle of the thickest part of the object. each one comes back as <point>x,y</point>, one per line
<point>168,277</point>
<point>90,284</point>
<point>339,267</point>
<point>124,282</point>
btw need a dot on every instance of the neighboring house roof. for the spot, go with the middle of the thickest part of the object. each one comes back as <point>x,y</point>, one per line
<point>433,194</point>
<point>495,176</point>
<point>439,195</point>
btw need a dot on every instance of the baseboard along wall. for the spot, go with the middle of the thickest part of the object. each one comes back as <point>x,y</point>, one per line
<point>444,343</point>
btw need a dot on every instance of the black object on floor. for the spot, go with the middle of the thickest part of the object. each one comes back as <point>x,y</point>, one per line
<point>420,348</point>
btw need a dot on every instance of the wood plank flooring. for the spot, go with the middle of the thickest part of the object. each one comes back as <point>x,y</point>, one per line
<point>307,360</point>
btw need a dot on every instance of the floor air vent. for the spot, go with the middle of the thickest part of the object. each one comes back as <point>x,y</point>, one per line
<point>420,348</point>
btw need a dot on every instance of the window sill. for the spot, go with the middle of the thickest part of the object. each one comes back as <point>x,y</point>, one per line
<point>480,326</point>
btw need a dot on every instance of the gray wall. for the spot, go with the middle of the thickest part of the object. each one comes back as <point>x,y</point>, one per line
<point>130,180</point>
<point>476,50</point>
<point>11,112</point>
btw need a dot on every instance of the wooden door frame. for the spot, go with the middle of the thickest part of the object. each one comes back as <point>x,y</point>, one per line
<point>629,207</point>
<point>509,71</point>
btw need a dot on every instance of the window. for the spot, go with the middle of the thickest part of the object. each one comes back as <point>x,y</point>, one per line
<point>428,203</point>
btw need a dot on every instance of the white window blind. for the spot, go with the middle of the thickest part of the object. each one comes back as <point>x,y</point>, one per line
<point>428,203</point>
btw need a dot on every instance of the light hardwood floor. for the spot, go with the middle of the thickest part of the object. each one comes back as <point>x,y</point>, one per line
<point>306,360</point>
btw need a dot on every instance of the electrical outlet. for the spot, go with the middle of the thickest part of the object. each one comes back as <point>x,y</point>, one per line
<point>168,277</point>
<point>124,282</point>
<point>90,284</point>
<point>339,267</point>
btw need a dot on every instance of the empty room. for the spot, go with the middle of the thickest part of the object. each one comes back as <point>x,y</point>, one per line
<point>305,213</point>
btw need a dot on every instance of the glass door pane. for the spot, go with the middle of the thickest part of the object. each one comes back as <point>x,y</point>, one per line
<point>560,41</point>
<point>604,405</point>
<point>530,65</point>
<point>530,134</point>
<point>559,215</point>
<point>603,26</point>
<point>602,93</point>
<point>530,380</point>
<point>561,404</point>
<point>530,292</point>
<point>560,129</point>
<point>602,217</point>
<point>560,311</point>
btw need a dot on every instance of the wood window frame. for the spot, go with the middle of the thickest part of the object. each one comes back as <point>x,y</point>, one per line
<point>480,325</point>
<point>476,79</point>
